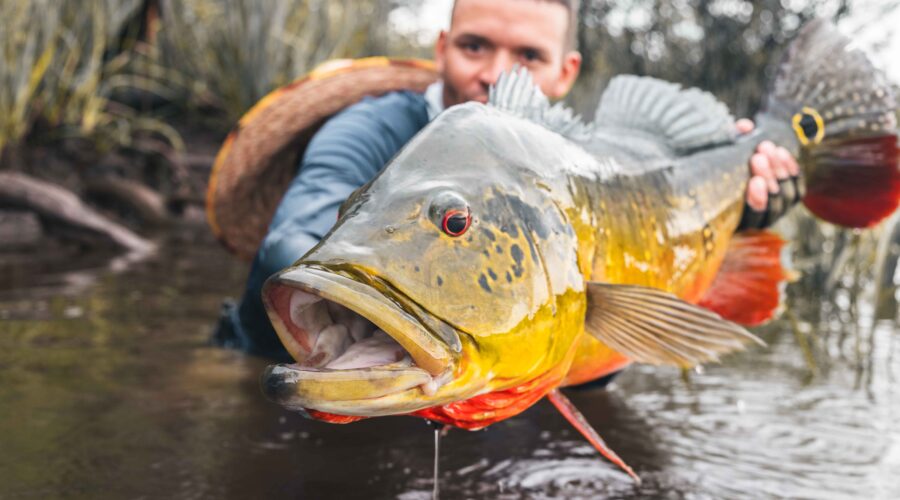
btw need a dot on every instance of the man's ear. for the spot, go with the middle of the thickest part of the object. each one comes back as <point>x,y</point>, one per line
<point>440,51</point>
<point>571,65</point>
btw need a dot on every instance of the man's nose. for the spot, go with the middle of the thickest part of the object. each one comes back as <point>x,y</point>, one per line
<point>500,62</point>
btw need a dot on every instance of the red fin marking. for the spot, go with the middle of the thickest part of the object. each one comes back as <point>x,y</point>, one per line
<point>746,288</point>
<point>483,410</point>
<point>854,182</point>
<point>332,418</point>
<point>568,410</point>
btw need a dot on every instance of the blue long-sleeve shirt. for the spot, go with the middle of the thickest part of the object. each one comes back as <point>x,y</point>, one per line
<point>347,152</point>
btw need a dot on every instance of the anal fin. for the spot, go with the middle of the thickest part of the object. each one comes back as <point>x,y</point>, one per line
<point>571,413</point>
<point>747,288</point>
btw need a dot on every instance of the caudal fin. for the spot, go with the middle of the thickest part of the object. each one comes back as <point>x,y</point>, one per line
<point>841,111</point>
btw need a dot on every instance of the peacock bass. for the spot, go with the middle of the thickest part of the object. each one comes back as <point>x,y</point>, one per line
<point>510,249</point>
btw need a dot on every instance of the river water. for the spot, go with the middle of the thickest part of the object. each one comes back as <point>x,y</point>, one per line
<point>108,389</point>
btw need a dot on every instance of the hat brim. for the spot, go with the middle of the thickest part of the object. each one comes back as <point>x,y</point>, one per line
<point>260,157</point>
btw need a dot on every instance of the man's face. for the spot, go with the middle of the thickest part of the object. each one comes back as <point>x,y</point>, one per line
<point>487,37</point>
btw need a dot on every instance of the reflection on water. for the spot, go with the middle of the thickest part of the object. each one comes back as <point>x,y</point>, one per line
<point>108,389</point>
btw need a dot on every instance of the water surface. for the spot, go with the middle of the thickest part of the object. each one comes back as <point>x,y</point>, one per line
<point>108,389</point>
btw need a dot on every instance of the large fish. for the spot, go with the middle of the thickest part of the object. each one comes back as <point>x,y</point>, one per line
<point>510,249</point>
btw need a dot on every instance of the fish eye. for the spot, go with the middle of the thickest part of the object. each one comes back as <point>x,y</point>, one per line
<point>450,212</point>
<point>808,126</point>
<point>456,222</point>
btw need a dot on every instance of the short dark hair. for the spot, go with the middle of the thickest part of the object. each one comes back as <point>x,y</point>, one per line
<point>571,41</point>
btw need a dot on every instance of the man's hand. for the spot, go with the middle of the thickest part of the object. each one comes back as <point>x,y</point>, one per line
<point>772,188</point>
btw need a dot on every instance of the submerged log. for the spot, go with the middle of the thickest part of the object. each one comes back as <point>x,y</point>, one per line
<point>64,213</point>
<point>131,199</point>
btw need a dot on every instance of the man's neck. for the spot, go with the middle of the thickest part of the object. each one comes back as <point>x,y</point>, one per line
<point>434,99</point>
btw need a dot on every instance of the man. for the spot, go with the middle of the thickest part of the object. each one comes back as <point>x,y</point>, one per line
<point>485,38</point>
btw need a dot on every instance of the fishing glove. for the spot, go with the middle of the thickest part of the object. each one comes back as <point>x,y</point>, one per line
<point>790,192</point>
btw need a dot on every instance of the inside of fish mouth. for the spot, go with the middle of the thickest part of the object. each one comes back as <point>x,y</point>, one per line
<point>334,337</point>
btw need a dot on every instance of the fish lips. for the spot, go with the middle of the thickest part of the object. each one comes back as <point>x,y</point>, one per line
<point>432,350</point>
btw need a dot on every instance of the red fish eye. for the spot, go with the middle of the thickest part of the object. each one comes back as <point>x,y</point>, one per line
<point>456,222</point>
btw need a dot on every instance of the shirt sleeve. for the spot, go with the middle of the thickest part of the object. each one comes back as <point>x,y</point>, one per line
<point>349,150</point>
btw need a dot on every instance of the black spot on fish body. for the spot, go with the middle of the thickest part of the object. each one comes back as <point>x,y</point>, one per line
<point>486,253</point>
<point>489,234</point>
<point>417,268</point>
<point>499,249</point>
<point>440,281</point>
<point>492,274</point>
<point>516,254</point>
<point>512,230</point>
<point>508,277</point>
<point>482,281</point>
<point>532,218</point>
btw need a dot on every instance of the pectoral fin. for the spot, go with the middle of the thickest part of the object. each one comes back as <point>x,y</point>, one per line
<point>656,327</point>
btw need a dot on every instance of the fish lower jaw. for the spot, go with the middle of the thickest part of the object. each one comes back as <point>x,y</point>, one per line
<point>341,356</point>
<point>381,390</point>
<point>393,389</point>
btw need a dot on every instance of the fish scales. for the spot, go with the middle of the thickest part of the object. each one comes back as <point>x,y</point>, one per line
<point>510,249</point>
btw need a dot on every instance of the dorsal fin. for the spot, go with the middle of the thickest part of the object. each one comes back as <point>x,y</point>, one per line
<point>516,93</point>
<point>681,120</point>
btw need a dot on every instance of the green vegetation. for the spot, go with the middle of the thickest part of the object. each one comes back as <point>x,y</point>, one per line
<point>227,54</point>
<point>115,71</point>
<point>61,66</point>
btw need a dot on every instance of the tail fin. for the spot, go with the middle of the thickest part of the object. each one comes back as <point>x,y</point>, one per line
<point>841,111</point>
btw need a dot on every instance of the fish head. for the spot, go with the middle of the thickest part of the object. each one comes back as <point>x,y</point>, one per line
<point>454,273</point>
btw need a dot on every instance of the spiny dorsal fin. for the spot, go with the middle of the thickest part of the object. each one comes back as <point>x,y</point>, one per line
<point>683,120</point>
<point>516,93</point>
<point>655,327</point>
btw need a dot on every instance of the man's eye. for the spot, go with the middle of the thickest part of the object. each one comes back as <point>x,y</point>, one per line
<point>472,47</point>
<point>530,55</point>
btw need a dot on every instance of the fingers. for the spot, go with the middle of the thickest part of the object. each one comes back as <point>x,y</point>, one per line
<point>757,193</point>
<point>761,166</point>
<point>744,125</point>
<point>775,185</point>
<point>788,160</point>
<point>755,214</point>
<point>776,161</point>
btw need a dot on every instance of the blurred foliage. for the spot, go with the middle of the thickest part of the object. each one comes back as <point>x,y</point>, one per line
<point>227,54</point>
<point>60,64</point>
<point>728,47</point>
<point>848,284</point>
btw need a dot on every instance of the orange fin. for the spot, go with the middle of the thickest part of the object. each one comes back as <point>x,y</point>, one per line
<point>568,410</point>
<point>747,288</point>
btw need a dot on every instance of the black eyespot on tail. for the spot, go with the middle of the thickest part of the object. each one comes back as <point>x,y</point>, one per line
<point>809,126</point>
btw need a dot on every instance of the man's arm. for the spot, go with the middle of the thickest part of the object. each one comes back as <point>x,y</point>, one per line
<point>349,150</point>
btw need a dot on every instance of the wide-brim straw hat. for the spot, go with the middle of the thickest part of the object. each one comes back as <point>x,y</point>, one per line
<point>260,157</point>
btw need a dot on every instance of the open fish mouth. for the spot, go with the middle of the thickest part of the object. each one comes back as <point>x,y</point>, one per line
<point>353,338</point>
